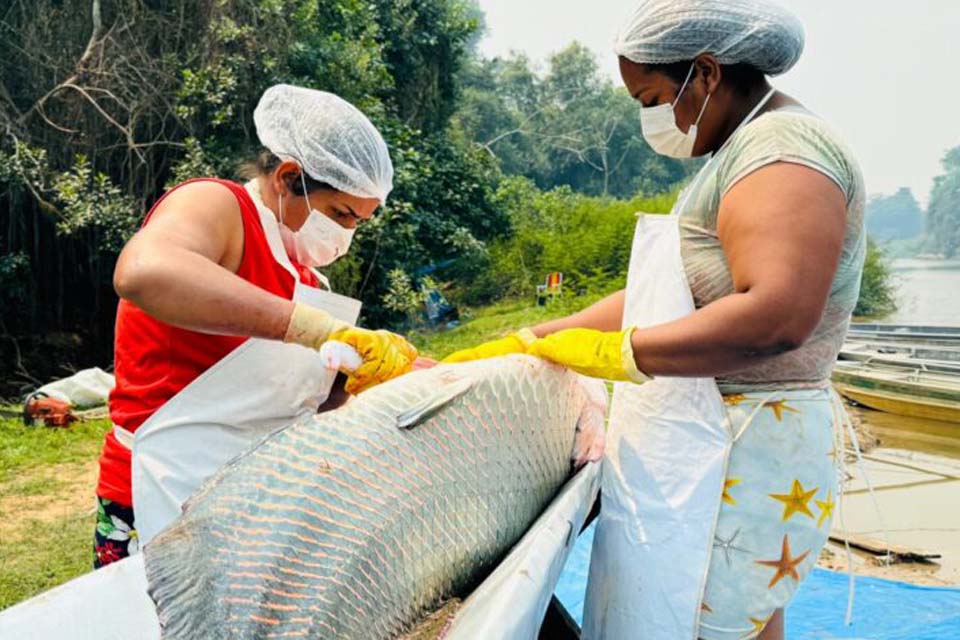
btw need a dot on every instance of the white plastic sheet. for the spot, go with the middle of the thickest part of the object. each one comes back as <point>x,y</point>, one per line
<point>109,604</point>
<point>84,389</point>
<point>509,605</point>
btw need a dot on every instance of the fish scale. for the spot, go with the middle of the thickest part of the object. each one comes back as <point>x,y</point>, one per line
<point>343,525</point>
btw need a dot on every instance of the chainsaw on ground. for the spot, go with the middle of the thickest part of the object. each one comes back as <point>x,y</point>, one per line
<point>41,408</point>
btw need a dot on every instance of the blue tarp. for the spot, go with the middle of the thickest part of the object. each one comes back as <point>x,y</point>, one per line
<point>883,610</point>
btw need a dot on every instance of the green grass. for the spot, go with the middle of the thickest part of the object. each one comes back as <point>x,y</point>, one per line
<point>46,502</point>
<point>22,447</point>
<point>494,322</point>
<point>52,553</point>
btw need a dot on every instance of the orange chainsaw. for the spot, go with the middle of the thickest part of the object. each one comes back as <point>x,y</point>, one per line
<point>40,407</point>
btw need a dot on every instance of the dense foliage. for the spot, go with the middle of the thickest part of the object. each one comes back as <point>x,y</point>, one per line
<point>503,172</point>
<point>586,238</point>
<point>943,212</point>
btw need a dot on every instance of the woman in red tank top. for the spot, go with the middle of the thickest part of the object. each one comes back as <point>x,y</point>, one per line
<point>202,277</point>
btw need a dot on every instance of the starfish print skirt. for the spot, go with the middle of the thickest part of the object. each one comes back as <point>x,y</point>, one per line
<point>778,502</point>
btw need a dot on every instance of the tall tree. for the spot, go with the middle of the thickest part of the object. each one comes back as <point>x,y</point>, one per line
<point>568,126</point>
<point>943,213</point>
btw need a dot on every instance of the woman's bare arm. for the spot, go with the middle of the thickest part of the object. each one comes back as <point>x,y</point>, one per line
<point>605,315</point>
<point>782,230</point>
<point>180,268</point>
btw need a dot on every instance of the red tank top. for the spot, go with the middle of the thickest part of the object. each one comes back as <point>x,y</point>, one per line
<point>153,360</point>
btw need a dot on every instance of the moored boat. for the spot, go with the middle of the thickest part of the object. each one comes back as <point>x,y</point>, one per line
<point>904,389</point>
<point>921,334</point>
<point>935,358</point>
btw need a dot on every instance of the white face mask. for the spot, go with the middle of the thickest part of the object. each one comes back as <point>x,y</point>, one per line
<point>660,128</point>
<point>319,241</point>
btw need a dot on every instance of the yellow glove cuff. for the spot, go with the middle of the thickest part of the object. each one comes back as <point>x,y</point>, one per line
<point>526,336</point>
<point>311,327</point>
<point>628,361</point>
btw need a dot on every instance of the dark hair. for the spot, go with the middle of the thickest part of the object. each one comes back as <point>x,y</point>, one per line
<point>265,162</point>
<point>744,78</point>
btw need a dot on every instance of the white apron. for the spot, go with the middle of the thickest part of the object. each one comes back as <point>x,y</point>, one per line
<point>667,449</point>
<point>258,387</point>
<point>668,446</point>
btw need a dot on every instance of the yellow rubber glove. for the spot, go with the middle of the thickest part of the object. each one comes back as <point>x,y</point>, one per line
<point>597,354</point>
<point>311,327</point>
<point>385,356</point>
<point>514,343</point>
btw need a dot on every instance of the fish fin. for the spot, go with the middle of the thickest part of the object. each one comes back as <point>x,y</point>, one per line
<point>178,571</point>
<point>435,401</point>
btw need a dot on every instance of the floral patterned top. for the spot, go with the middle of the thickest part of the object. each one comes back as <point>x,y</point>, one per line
<point>790,134</point>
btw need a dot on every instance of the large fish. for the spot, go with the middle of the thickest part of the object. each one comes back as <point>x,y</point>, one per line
<point>360,522</point>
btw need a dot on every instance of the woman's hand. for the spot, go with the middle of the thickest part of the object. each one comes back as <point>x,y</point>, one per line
<point>589,441</point>
<point>385,356</point>
<point>605,315</point>
<point>514,343</point>
<point>596,354</point>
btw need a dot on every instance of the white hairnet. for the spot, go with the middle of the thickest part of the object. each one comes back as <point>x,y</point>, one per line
<point>331,139</point>
<point>754,32</point>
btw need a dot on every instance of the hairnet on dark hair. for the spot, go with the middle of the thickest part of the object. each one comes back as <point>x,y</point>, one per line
<point>331,139</point>
<point>754,32</point>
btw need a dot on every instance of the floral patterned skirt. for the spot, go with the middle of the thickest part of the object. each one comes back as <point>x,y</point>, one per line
<point>114,537</point>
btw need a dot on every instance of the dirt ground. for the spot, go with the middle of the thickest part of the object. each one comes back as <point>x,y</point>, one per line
<point>68,493</point>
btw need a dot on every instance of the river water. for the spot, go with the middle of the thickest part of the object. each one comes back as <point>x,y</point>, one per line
<point>928,291</point>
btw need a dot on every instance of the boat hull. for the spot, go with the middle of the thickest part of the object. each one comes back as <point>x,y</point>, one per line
<point>898,396</point>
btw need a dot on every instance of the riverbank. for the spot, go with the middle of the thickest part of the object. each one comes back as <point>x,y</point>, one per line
<point>915,473</point>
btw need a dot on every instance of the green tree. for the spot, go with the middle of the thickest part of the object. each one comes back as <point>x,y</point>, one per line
<point>877,295</point>
<point>895,217</point>
<point>105,103</point>
<point>943,213</point>
<point>424,45</point>
<point>569,126</point>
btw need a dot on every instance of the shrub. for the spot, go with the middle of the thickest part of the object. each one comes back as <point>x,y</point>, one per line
<point>876,287</point>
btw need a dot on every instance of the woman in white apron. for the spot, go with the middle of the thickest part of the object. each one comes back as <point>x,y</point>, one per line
<point>221,313</point>
<point>719,477</point>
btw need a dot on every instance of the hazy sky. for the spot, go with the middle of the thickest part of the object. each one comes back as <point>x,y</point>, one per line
<point>882,72</point>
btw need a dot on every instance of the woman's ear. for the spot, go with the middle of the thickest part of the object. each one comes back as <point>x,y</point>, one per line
<point>285,176</point>
<point>709,68</point>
